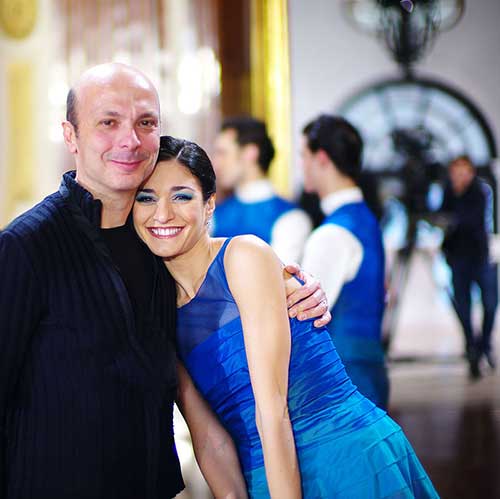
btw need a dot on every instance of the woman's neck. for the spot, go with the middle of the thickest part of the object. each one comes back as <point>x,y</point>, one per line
<point>189,269</point>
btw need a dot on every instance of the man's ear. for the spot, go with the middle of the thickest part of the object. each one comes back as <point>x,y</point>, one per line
<point>250,152</point>
<point>69,134</point>
<point>322,157</point>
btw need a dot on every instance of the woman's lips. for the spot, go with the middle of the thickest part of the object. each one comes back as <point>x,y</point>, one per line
<point>164,232</point>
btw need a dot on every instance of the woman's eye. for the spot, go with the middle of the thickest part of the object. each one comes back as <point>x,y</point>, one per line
<point>182,196</point>
<point>145,198</point>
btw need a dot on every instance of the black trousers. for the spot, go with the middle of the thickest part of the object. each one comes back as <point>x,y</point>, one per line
<point>464,274</point>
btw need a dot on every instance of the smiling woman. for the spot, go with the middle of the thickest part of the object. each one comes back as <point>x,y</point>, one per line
<point>173,207</point>
<point>276,384</point>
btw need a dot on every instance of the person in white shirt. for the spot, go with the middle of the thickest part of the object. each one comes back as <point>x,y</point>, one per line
<point>346,252</point>
<point>242,156</point>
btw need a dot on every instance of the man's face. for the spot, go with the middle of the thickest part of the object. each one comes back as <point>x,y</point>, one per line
<point>461,174</point>
<point>309,167</point>
<point>228,161</point>
<point>118,135</point>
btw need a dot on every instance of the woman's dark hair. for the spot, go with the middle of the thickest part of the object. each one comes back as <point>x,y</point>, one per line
<point>191,156</point>
<point>340,141</point>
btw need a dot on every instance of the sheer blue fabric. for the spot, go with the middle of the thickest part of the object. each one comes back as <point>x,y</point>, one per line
<point>346,446</point>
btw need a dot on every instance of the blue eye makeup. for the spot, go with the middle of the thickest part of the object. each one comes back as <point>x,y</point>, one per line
<point>145,197</point>
<point>183,196</point>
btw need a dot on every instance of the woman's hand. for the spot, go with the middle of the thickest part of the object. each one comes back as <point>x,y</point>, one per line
<point>309,300</point>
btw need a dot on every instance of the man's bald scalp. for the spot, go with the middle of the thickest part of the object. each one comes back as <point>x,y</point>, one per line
<point>99,75</point>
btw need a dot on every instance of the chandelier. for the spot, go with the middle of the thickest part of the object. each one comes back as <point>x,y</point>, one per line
<point>408,28</point>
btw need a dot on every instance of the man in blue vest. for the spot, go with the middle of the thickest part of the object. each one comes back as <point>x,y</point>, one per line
<point>243,154</point>
<point>346,252</point>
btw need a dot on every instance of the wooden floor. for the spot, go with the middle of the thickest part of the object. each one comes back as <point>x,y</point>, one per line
<point>453,425</point>
<point>452,422</point>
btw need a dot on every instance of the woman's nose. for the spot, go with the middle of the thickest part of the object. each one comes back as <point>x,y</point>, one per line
<point>163,212</point>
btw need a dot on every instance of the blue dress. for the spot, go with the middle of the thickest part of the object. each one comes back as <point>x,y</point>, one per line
<point>346,446</point>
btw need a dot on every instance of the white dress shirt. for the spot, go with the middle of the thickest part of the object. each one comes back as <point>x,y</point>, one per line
<point>333,254</point>
<point>290,231</point>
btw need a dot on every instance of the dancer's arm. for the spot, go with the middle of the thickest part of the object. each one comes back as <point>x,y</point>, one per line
<point>255,278</point>
<point>213,447</point>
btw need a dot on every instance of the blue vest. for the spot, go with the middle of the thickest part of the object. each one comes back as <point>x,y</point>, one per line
<point>356,324</point>
<point>234,218</point>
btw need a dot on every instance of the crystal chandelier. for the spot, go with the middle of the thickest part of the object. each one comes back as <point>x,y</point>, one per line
<point>408,28</point>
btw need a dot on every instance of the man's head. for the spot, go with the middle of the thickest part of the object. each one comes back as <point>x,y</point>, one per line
<point>461,172</point>
<point>331,146</point>
<point>112,128</point>
<point>243,151</point>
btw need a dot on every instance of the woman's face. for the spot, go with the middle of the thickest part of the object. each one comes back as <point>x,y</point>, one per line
<point>170,215</point>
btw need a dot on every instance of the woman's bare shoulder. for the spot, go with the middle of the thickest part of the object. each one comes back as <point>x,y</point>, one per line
<point>248,247</point>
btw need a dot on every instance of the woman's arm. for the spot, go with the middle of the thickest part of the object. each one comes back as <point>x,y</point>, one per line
<point>213,447</point>
<point>255,278</point>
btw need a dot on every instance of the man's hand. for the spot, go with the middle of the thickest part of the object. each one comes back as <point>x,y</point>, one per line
<point>308,301</point>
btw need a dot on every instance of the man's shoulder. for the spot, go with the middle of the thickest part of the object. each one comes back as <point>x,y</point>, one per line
<point>226,203</point>
<point>284,203</point>
<point>34,220</point>
<point>355,217</point>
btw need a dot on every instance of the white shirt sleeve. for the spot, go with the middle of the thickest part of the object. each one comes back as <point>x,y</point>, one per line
<point>289,235</point>
<point>333,255</point>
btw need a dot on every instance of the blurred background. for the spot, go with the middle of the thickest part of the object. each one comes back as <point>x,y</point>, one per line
<point>422,88</point>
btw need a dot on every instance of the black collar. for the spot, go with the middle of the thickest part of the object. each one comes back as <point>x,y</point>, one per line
<point>80,200</point>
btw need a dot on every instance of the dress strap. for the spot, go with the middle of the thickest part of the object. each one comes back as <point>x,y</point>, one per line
<point>222,250</point>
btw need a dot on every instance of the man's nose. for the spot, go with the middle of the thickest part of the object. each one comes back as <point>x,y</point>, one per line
<point>129,138</point>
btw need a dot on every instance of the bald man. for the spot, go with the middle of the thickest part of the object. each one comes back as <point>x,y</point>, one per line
<point>87,323</point>
<point>87,359</point>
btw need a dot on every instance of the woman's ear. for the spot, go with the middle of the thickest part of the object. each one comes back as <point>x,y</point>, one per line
<point>210,206</point>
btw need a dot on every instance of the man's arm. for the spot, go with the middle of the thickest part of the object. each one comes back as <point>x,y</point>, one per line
<point>289,235</point>
<point>333,255</point>
<point>19,313</point>
<point>309,301</point>
<point>213,447</point>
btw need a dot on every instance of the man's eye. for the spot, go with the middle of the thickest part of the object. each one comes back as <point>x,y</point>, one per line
<point>107,122</point>
<point>148,123</point>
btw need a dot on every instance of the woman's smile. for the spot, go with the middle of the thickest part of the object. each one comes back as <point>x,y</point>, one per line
<point>164,232</point>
